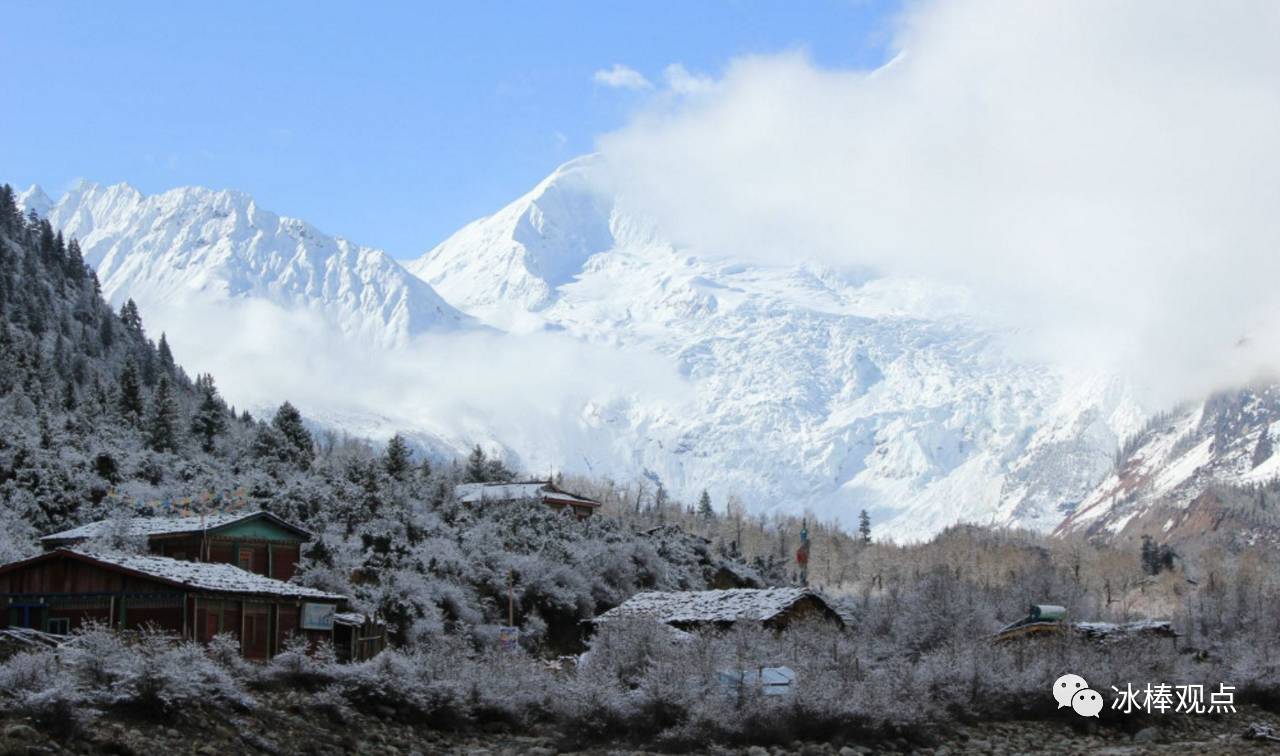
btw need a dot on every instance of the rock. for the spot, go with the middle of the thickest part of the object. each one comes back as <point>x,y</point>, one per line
<point>172,734</point>
<point>757,751</point>
<point>1146,735</point>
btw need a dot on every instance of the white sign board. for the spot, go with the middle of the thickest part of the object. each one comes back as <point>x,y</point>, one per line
<point>317,616</point>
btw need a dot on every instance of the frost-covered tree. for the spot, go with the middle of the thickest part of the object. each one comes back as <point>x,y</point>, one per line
<point>162,422</point>
<point>210,417</point>
<point>165,356</point>
<point>396,459</point>
<point>704,506</point>
<point>864,526</point>
<point>299,446</point>
<point>130,401</point>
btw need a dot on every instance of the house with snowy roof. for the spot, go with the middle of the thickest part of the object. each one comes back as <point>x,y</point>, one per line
<point>775,608</point>
<point>256,541</point>
<point>545,492</point>
<point>224,573</point>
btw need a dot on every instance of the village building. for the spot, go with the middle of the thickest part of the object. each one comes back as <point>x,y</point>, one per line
<point>256,541</point>
<point>775,608</point>
<point>224,573</point>
<point>544,492</point>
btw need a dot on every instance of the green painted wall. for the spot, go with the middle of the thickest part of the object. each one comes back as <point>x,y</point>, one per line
<point>258,529</point>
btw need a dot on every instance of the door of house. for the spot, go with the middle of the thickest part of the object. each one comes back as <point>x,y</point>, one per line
<point>210,623</point>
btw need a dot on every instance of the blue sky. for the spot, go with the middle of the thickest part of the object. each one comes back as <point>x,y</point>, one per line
<point>390,123</point>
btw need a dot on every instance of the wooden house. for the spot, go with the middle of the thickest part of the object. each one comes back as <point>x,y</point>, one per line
<point>544,492</point>
<point>774,608</point>
<point>60,590</point>
<point>221,573</point>
<point>258,542</point>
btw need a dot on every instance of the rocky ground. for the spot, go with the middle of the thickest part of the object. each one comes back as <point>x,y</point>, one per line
<point>285,727</point>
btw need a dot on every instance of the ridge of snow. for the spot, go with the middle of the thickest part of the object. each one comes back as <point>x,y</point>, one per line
<point>192,243</point>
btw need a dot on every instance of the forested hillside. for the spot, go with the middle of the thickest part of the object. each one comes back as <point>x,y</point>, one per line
<point>96,415</point>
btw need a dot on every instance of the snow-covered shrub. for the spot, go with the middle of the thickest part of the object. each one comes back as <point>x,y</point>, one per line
<point>158,675</point>
<point>394,683</point>
<point>33,684</point>
<point>301,663</point>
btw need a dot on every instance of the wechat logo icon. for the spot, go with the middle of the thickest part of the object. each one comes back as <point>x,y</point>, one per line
<point>1072,691</point>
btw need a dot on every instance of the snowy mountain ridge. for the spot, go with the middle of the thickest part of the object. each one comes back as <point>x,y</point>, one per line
<point>810,388</point>
<point>216,246</point>
<point>1190,471</point>
<point>815,389</point>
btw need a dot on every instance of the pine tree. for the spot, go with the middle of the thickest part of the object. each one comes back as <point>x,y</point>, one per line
<point>131,318</point>
<point>210,418</point>
<point>1150,556</point>
<point>396,461</point>
<point>300,446</point>
<point>477,467</point>
<point>166,356</point>
<point>704,506</point>
<point>864,526</point>
<point>130,393</point>
<point>163,421</point>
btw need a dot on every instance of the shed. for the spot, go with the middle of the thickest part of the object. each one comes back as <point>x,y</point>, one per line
<point>772,607</point>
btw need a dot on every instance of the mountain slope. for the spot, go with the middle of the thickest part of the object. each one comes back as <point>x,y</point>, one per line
<point>1206,470</point>
<point>813,388</point>
<point>800,387</point>
<point>212,246</point>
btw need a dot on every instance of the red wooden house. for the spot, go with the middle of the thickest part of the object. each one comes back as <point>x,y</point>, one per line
<point>222,574</point>
<point>257,541</point>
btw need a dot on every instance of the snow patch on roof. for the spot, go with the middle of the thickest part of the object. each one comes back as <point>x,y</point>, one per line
<point>207,576</point>
<point>154,526</point>
<point>709,606</point>
<point>474,493</point>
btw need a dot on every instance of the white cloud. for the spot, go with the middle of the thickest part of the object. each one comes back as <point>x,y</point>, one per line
<point>541,394</point>
<point>1106,176</point>
<point>682,82</point>
<point>621,77</point>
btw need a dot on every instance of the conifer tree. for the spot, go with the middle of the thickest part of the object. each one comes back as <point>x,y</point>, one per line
<point>210,418</point>
<point>300,446</point>
<point>396,461</point>
<point>162,423</point>
<point>477,466</point>
<point>130,393</point>
<point>166,356</point>
<point>704,506</point>
<point>131,318</point>
<point>864,526</point>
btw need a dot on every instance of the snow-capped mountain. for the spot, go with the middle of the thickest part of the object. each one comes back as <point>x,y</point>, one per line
<point>814,389</point>
<point>802,387</point>
<point>194,244</point>
<point>1205,468</point>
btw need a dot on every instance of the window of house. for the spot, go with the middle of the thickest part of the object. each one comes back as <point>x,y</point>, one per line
<point>58,625</point>
<point>246,560</point>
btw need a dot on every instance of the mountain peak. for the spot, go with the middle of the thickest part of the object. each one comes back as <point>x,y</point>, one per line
<point>196,243</point>
<point>34,198</point>
<point>513,261</point>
